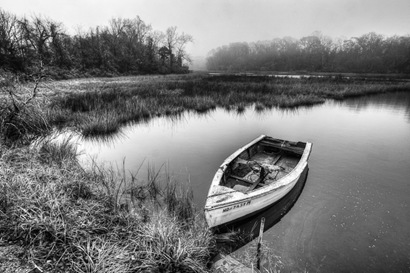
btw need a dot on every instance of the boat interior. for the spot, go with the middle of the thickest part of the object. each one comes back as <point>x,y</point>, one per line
<point>262,164</point>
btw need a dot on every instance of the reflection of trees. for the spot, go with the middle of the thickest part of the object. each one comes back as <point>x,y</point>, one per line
<point>368,53</point>
<point>398,101</point>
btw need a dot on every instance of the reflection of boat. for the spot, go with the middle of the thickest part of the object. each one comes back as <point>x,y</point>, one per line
<point>254,177</point>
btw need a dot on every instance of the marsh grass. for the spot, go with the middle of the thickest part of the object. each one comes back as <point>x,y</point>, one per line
<point>104,124</point>
<point>103,106</point>
<point>172,248</point>
<point>52,151</point>
<point>97,220</point>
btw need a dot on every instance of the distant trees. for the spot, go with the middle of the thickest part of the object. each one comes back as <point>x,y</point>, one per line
<point>124,46</point>
<point>369,53</point>
<point>11,46</point>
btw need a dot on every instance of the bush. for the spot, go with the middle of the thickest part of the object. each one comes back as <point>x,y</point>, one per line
<point>21,118</point>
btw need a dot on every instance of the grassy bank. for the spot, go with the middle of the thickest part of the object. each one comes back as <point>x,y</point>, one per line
<point>59,217</point>
<point>68,219</point>
<point>102,106</point>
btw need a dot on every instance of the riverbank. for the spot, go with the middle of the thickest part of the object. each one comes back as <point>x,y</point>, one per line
<point>98,107</point>
<point>65,218</point>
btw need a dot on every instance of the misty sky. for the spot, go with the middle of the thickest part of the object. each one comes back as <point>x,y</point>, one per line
<point>213,23</point>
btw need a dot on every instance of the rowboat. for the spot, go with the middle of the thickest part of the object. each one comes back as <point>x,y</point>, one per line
<point>254,177</point>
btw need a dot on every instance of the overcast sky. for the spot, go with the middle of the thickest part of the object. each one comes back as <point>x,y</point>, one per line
<point>213,23</point>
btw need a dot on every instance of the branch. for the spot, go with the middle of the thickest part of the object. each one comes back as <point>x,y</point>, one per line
<point>37,82</point>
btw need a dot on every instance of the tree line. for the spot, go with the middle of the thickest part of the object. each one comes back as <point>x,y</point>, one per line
<point>124,46</point>
<point>369,53</point>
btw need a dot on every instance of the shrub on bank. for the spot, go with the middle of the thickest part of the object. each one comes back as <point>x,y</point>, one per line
<point>21,118</point>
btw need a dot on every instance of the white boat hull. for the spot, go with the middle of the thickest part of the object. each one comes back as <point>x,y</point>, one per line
<point>234,211</point>
<point>225,205</point>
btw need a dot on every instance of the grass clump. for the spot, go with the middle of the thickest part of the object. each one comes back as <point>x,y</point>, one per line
<point>68,219</point>
<point>100,125</point>
<point>61,152</point>
<point>170,247</point>
<point>270,262</point>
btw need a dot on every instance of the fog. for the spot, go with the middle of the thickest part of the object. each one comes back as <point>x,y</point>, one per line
<point>213,23</point>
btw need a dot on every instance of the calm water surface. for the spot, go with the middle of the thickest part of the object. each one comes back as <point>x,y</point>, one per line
<point>353,214</point>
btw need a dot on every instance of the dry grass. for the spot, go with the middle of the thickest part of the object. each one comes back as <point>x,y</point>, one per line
<point>70,219</point>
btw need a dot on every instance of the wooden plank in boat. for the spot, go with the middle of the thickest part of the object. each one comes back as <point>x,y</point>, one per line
<point>294,149</point>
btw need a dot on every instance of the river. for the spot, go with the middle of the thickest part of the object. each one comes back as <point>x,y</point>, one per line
<point>353,214</point>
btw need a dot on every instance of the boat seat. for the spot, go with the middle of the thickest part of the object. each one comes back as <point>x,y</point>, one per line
<point>240,188</point>
<point>266,159</point>
<point>240,179</point>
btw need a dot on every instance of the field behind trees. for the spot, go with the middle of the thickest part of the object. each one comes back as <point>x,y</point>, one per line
<point>123,47</point>
<point>369,53</point>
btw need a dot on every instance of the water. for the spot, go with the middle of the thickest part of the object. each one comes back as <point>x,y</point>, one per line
<point>353,214</point>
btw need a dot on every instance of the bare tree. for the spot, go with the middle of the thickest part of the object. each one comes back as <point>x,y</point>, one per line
<point>38,34</point>
<point>176,43</point>
<point>21,118</point>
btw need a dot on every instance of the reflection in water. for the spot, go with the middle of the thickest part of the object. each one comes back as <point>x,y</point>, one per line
<point>354,212</point>
<point>398,101</point>
<point>104,140</point>
<point>247,229</point>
